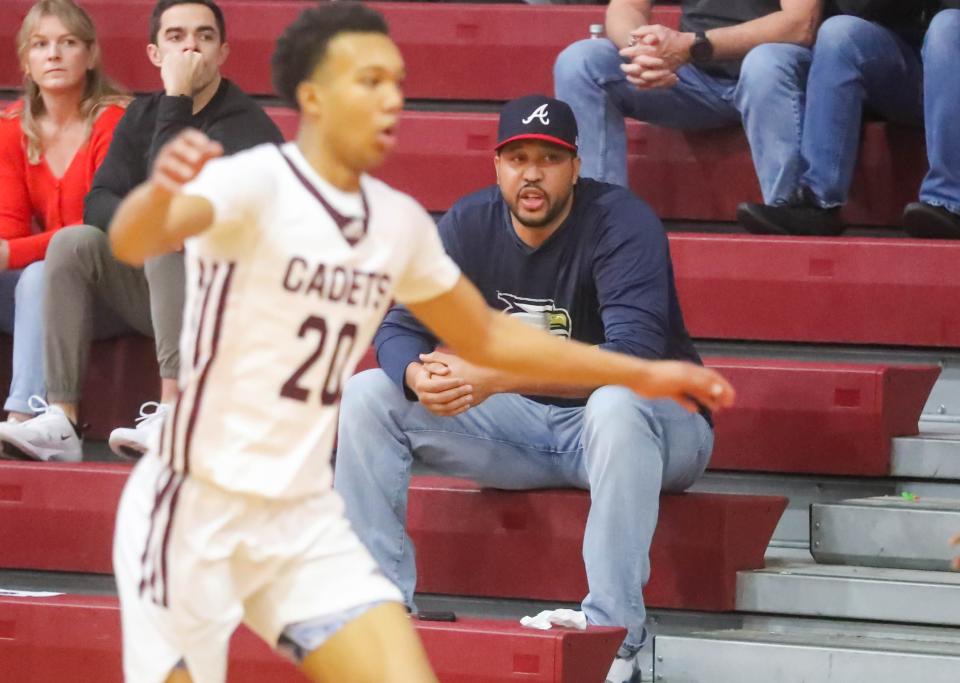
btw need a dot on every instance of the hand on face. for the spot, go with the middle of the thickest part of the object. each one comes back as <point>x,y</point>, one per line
<point>655,53</point>
<point>181,159</point>
<point>181,71</point>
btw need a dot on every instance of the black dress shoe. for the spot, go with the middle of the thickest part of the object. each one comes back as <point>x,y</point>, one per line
<point>926,220</point>
<point>802,218</point>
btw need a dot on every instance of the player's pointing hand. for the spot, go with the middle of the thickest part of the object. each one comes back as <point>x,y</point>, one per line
<point>181,159</point>
<point>692,386</point>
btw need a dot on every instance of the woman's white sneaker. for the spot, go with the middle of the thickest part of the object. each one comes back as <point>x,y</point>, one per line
<point>48,436</point>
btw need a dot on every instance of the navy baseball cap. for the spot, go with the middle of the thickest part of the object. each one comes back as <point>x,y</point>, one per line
<point>537,117</point>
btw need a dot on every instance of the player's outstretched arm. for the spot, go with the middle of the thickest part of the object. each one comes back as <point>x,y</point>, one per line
<point>461,318</point>
<point>155,218</point>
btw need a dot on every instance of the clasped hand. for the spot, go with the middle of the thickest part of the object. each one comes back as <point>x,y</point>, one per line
<point>447,385</point>
<point>655,53</point>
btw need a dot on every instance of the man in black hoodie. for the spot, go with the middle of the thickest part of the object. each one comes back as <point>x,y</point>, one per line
<point>897,59</point>
<point>91,295</point>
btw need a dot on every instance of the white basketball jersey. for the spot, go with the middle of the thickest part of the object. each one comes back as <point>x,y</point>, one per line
<point>284,294</point>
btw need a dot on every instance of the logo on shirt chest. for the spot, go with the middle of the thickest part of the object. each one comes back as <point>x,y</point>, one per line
<point>540,313</point>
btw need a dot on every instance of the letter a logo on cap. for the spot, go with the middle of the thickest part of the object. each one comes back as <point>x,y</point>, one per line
<point>538,113</point>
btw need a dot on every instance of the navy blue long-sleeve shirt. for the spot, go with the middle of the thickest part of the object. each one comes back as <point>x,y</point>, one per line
<point>604,277</point>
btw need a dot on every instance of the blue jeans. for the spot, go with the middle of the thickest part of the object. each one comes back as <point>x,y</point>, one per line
<point>768,99</point>
<point>621,448</point>
<point>21,314</point>
<point>858,64</point>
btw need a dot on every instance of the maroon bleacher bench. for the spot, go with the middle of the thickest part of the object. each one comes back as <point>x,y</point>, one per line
<point>528,544</point>
<point>77,638</point>
<point>824,290</point>
<point>453,52</point>
<point>803,417</point>
<point>442,156</point>
<point>469,541</point>
<point>840,417</point>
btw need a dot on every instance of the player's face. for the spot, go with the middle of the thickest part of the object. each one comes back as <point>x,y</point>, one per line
<point>191,28</point>
<point>536,179</point>
<point>359,97</point>
<point>56,60</point>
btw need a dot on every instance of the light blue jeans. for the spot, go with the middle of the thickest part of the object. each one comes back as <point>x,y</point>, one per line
<point>21,314</point>
<point>768,99</point>
<point>624,449</point>
<point>857,64</point>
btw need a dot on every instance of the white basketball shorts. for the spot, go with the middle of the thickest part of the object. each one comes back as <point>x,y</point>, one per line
<point>193,561</point>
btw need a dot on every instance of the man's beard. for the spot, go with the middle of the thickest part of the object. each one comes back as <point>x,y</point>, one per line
<point>554,209</point>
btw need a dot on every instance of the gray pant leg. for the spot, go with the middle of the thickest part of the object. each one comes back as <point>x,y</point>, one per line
<point>81,275</point>
<point>166,278</point>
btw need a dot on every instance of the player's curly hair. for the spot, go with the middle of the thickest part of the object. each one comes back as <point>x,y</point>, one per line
<point>303,44</point>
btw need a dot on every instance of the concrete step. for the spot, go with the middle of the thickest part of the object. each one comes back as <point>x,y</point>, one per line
<point>763,657</point>
<point>905,596</point>
<point>886,531</point>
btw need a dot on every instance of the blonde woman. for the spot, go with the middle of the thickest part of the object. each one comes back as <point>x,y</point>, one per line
<point>51,142</point>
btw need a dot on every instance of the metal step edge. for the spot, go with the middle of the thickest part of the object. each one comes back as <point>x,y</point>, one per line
<point>931,455</point>
<point>756,657</point>
<point>864,593</point>
<point>886,531</point>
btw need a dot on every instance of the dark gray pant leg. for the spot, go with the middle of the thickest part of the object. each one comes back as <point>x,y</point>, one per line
<point>88,294</point>
<point>166,278</point>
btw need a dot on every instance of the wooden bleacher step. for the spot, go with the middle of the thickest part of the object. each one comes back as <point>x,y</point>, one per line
<point>763,657</point>
<point>905,596</point>
<point>77,638</point>
<point>887,531</point>
<point>929,455</point>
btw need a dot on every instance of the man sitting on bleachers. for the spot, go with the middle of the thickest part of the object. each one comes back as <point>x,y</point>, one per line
<point>89,294</point>
<point>585,260</point>
<point>732,62</point>
<point>872,58</point>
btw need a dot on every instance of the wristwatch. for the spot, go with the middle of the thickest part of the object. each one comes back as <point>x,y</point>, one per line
<point>701,52</point>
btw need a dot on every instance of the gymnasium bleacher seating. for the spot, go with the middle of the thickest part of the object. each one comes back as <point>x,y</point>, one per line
<point>826,337</point>
<point>49,633</point>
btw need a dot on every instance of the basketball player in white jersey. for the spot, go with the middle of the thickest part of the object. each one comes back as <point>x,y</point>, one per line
<point>294,254</point>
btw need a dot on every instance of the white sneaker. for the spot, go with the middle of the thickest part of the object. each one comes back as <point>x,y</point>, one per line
<point>48,436</point>
<point>132,443</point>
<point>624,670</point>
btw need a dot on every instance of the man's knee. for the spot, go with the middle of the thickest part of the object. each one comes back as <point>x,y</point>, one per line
<point>78,247</point>
<point>941,44</point>
<point>367,395</point>
<point>775,66</point>
<point>615,410</point>
<point>841,37</point>
<point>579,60</point>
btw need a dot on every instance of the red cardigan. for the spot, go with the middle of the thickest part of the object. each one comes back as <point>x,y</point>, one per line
<point>33,202</point>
